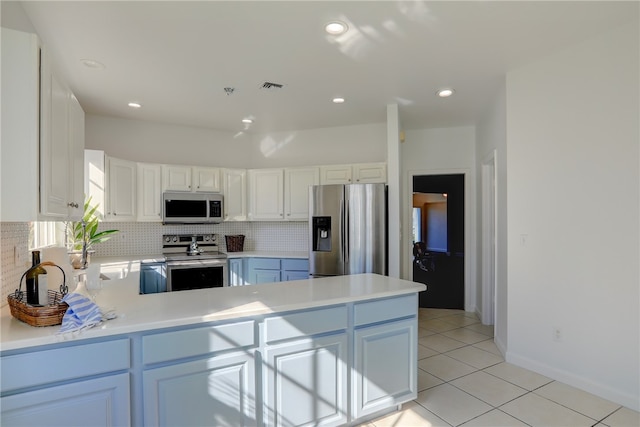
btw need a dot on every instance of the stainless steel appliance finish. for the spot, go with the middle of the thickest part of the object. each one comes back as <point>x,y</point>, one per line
<point>194,262</point>
<point>191,208</point>
<point>347,229</point>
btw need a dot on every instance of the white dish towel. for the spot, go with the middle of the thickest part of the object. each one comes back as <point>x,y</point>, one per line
<point>81,314</point>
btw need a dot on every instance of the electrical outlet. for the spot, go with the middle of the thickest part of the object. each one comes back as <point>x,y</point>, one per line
<point>557,334</point>
<point>19,256</point>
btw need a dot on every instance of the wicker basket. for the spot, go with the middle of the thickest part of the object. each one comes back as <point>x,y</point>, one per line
<point>48,315</point>
<point>235,243</point>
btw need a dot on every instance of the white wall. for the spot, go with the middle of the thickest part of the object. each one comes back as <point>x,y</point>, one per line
<point>572,138</point>
<point>441,151</point>
<point>166,143</point>
<point>491,134</point>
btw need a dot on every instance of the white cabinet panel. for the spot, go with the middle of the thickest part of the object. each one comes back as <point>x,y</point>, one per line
<point>206,179</point>
<point>61,146</point>
<point>370,173</point>
<point>306,382</point>
<point>335,174</point>
<point>281,194</point>
<point>266,194</point>
<point>234,183</point>
<point>384,366</point>
<point>121,190</point>
<point>97,402</point>
<point>76,156</point>
<point>20,54</point>
<point>296,186</point>
<point>176,178</point>
<point>149,193</point>
<point>190,178</point>
<point>359,173</point>
<point>219,391</point>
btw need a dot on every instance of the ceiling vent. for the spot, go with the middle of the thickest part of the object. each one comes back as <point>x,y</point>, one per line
<point>271,86</point>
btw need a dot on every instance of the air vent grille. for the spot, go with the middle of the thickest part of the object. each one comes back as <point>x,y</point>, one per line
<point>271,86</point>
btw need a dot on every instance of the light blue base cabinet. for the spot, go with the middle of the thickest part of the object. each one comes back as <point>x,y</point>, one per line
<point>79,385</point>
<point>324,366</point>
<point>269,270</point>
<point>153,277</point>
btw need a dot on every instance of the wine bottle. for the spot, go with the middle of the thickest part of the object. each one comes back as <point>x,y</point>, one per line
<point>36,281</point>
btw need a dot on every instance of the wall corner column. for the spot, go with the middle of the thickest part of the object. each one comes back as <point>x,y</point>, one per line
<point>393,182</point>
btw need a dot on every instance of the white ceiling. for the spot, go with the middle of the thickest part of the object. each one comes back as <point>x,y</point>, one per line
<point>176,57</point>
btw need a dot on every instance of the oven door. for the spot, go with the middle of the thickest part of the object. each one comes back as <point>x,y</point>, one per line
<point>196,274</point>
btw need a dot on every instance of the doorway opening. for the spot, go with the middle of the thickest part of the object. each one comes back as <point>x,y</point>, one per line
<point>438,239</point>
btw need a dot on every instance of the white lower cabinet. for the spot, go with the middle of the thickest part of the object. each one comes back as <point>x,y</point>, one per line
<point>384,366</point>
<point>218,391</point>
<point>96,402</point>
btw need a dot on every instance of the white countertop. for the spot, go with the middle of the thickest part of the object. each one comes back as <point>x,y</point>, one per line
<point>153,311</point>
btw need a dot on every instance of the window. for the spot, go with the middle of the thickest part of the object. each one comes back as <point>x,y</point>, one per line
<point>417,225</point>
<point>45,233</point>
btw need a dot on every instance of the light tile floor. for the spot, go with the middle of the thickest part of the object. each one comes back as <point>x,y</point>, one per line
<point>463,380</point>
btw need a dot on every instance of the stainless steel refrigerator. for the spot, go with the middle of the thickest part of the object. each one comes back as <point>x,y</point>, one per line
<point>347,229</point>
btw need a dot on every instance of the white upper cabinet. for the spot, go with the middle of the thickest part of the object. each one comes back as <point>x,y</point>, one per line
<point>281,194</point>
<point>19,123</point>
<point>61,146</point>
<point>234,184</point>
<point>176,178</point>
<point>359,173</point>
<point>121,190</point>
<point>149,194</point>
<point>296,191</point>
<point>370,173</point>
<point>206,179</point>
<point>266,194</point>
<point>188,178</point>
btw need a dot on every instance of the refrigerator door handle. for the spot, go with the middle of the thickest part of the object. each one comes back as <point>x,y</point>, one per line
<point>345,233</point>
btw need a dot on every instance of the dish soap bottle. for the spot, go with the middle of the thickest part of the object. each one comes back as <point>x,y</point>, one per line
<point>36,282</point>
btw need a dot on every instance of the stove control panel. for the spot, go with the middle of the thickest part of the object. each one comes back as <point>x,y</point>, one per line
<point>184,240</point>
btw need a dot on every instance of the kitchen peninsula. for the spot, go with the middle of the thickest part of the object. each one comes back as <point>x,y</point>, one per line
<point>330,351</point>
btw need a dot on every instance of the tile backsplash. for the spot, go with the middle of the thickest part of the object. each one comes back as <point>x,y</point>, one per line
<point>15,258</point>
<point>145,238</point>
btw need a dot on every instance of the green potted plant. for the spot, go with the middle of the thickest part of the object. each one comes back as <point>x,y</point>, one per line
<point>84,234</point>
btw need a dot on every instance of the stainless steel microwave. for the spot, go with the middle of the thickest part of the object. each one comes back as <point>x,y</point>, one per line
<point>191,208</point>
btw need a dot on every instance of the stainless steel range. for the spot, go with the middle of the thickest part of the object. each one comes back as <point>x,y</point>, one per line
<point>194,261</point>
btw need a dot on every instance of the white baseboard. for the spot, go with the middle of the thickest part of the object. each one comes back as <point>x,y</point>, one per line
<point>601,390</point>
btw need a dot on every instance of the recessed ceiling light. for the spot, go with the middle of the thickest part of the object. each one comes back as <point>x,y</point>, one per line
<point>134,105</point>
<point>444,93</point>
<point>335,28</point>
<point>247,121</point>
<point>90,63</point>
<point>338,100</point>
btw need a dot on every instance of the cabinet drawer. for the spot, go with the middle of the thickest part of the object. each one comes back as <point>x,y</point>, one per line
<point>61,364</point>
<point>305,324</point>
<point>195,342</point>
<point>386,309</point>
<point>295,264</point>
<point>265,263</point>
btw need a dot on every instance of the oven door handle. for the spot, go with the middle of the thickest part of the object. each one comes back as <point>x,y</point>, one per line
<point>196,264</point>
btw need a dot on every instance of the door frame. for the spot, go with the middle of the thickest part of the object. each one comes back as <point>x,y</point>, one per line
<point>489,238</point>
<point>470,253</point>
